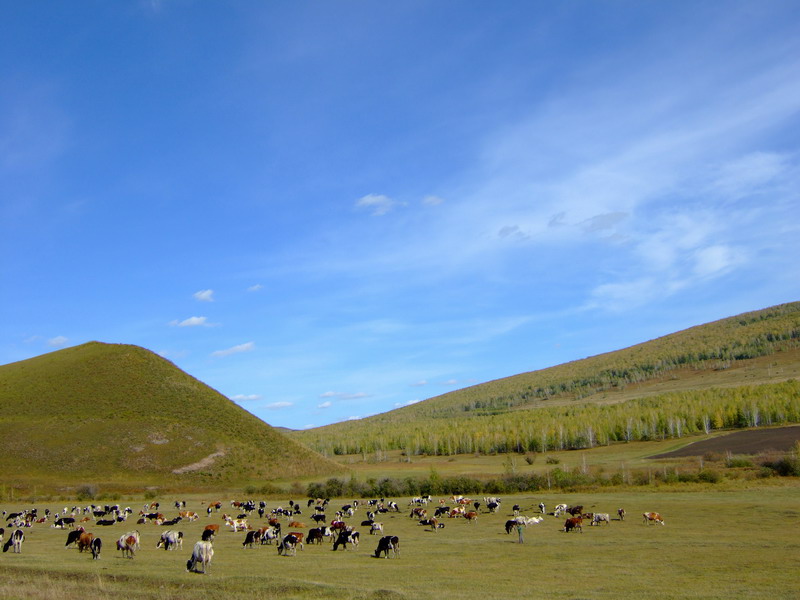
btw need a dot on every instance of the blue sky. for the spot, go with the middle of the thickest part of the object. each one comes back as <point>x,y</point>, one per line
<point>327,210</point>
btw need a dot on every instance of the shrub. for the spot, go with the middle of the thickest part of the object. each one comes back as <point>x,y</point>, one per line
<point>552,460</point>
<point>709,476</point>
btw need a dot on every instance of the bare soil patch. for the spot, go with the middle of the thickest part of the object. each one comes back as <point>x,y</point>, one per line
<point>751,441</point>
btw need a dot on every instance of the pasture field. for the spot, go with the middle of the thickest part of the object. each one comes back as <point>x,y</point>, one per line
<point>716,544</point>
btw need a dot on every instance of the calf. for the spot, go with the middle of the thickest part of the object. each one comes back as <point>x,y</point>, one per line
<point>387,544</point>
<point>201,555</point>
<point>575,523</point>
<point>652,517</point>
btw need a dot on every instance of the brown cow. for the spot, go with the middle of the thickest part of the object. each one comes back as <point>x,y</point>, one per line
<point>573,523</point>
<point>652,517</point>
<point>471,516</point>
<point>85,541</point>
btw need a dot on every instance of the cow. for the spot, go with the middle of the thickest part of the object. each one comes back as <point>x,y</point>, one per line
<point>15,541</point>
<point>376,528</point>
<point>85,541</point>
<point>95,547</point>
<point>542,508</point>
<point>65,522</point>
<point>510,525</point>
<point>346,537</point>
<point>128,545</point>
<point>210,530</point>
<point>72,536</point>
<point>105,522</point>
<point>652,517</point>
<point>237,524</point>
<point>387,544</point>
<point>288,545</point>
<point>575,523</point>
<point>316,535</point>
<point>268,534</point>
<point>559,509</point>
<point>253,536</point>
<point>201,555</point>
<point>575,511</point>
<point>601,518</point>
<point>296,525</point>
<point>419,513</point>
<point>621,514</point>
<point>471,517</point>
<point>319,518</point>
<point>170,540</point>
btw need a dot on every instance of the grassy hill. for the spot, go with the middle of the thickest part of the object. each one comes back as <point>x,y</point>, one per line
<point>123,415</point>
<point>739,371</point>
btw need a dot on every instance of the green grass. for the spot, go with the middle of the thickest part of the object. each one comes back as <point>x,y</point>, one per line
<point>715,545</point>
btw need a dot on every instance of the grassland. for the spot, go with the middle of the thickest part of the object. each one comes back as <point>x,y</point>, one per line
<point>119,416</point>
<point>718,543</point>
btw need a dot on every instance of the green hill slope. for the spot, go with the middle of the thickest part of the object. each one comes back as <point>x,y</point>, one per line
<point>731,372</point>
<point>120,413</point>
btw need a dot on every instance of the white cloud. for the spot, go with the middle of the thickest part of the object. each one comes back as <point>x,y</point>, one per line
<point>377,204</point>
<point>420,383</point>
<point>57,341</point>
<point>715,260</point>
<point>204,296</point>
<point>255,288</point>
<point>344,396</point>
<point>279,405</point>
<point>248,347</point>
<point>245,397</point>
<point>191,322</point>
<point>432,200</point>
<point>409,403</point>
<point>326,404</point>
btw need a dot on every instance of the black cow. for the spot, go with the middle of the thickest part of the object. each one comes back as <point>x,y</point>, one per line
<point>346,537</point>
<point>253,536</point>
<point>73,536</point>
<point>388,543</point>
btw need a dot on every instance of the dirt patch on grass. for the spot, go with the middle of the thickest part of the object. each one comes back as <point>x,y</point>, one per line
<point>751,441</point>
<point>201,464</point>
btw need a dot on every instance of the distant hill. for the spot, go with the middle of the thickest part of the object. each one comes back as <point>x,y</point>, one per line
<point>729,373</point>
<point>120,413</point>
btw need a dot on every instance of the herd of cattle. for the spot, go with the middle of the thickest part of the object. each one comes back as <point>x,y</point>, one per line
<point>336,531</point>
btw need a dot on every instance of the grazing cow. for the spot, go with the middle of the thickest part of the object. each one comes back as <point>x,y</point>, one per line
<point>201,555</point>
<point>471,517</point>
<point>288,545</point>
<point>337,525</point>
<point>575,511</point>
<point>319,518</point>
<point>376,528</point>
<point>419,513</point>
<point>105,522</point>
<point>85,541</point>
<point>315,536</point>
<point>213,529</point>
<point>72,536</point>
<point>510,525</point>
<point>207,535</point>
<point>621,514</point>
<point>15,541</point>
<point>95,547</point>
<point>346,537</point>
<point>575,523</point>
<point>441,510</point>
<point>268,534</point>
<point>601,518</point>
<point>190,515</point>
<point>652,517</point>
<point>387,544</point>
<point>559,509</point>
<point>253,536</point>
<point>128,545</point>
<point>493,506</point>
<point>237,524</point>
<point>170,540</point>
<point>64,522</point>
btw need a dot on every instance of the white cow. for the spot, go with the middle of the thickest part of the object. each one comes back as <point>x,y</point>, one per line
<point>201,554</point>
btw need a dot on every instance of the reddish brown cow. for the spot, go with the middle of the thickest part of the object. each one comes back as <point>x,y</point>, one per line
<point>471,516</point>
<point>85,541</point>
<point>573,523</point>
<point>652,517</point>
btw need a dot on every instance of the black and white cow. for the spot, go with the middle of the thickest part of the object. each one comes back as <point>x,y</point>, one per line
<point>170,540</point>
<point>387,544</point>
<point>15,541</point>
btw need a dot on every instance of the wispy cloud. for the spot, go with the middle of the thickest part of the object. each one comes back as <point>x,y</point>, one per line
<point>57,341</point>
<point>377,204</point>
<point>204,296</point>
<point>245,397</point>
<point>255,288</point>
<point>279,405</point>
<point>247,347</point>
<point>344,396</point>
<point>191,322</point>
<point>326,404</point>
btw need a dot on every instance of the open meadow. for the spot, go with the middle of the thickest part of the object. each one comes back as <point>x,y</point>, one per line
<point>737,542</point>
